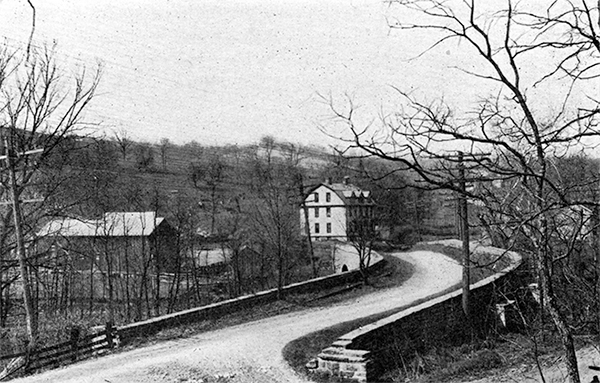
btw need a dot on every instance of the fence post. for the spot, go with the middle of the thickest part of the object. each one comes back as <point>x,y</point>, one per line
<point>109,334</point>
<point>74,343</point>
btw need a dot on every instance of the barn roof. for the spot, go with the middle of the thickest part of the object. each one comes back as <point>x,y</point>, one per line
<point>114,224</point>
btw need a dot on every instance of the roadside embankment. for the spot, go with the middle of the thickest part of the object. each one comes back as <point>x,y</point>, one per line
<point>370,350</point>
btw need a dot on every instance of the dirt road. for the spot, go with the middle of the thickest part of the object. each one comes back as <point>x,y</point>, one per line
<point>251,352</point>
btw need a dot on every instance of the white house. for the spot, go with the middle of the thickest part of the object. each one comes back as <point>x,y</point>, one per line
<point>333,210</point>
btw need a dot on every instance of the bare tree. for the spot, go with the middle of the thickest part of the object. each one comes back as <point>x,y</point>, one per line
<point>39,108</point>
<point>274,214</point>
<point>503,41</point>
<point>184,213</point>
<point>164,147</point>
<point>124,141</point>
<point>267,145</point>
<point>362,234</point>
<point>144,156</point>
<point>210,173</point>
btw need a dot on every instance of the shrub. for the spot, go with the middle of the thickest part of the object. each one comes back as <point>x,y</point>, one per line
<point>481,360</point>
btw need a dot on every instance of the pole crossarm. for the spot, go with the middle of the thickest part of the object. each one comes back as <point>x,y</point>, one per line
<point>23,154</point>
<point>40,200</point>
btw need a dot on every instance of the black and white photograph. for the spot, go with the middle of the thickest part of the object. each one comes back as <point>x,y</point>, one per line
<point>299,191</point>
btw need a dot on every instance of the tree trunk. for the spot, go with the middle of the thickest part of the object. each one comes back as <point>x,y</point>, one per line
<point>566,336</point>
<point>30,312</point>
<point>91,296</point>
<point>544,272</point>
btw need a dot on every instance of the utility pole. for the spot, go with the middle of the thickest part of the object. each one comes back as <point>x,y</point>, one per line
<point>459,186</point>
<point>463,223</point>
<point>463,215</point>
<point>30,314</point>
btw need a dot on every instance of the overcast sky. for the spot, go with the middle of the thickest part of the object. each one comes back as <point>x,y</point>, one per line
<point>225,71</point>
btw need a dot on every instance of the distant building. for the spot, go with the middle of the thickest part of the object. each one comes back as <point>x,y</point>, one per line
<point>121,241</point>
<point>336,210</point>
<point>211,259</point>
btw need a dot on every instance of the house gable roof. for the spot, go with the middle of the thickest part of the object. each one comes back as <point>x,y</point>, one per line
<point>348,193</point>
<point>113,224</point>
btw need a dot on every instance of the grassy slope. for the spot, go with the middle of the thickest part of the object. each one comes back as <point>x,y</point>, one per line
<point>174,175</point>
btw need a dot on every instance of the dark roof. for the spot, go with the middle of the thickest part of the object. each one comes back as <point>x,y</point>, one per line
<point>347,192</point>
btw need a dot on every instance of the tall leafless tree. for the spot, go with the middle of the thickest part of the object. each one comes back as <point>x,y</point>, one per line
<point>40,107</point>
<point>164,146</point>
<point>524,52</point>
<point>274,215</point>
<point>210,172</point>
<point>124,142</point>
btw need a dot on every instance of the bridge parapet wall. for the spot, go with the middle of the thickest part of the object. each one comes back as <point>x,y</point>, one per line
<point>365,353</point>
<point>129,332</point>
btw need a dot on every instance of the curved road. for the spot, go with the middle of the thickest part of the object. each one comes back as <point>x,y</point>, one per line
<point>251,352</point>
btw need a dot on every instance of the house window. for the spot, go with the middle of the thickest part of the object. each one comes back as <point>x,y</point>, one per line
<point>328,212</point>
<point>316,197</point>
<point>316,228</point>
<point>327,197</point>
<point>328,227</point>
<point>316,212</point>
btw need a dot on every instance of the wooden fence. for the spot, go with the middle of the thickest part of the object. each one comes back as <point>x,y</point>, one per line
<point>81,347</point>
<point>76,348</point>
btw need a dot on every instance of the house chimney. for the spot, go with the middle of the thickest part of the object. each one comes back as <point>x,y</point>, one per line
<point>346,179</point>
<point>327,181</point>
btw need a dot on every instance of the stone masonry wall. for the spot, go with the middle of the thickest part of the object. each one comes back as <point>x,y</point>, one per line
<point>217,310</point>
<point>367,352</point>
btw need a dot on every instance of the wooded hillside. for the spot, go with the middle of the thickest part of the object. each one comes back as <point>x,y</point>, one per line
<point>234,211</point>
